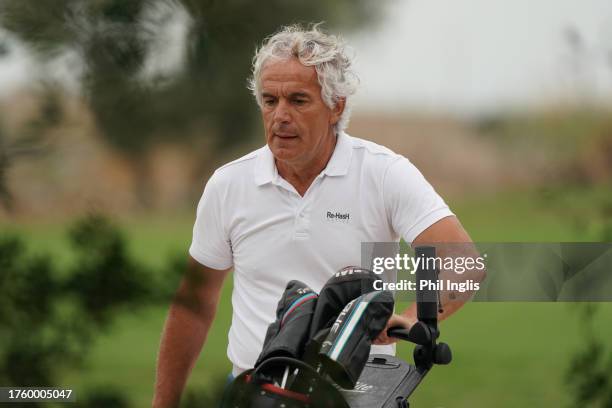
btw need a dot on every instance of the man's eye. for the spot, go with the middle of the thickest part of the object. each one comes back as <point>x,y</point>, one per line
<point>269,102</point>
<point>299,101</point>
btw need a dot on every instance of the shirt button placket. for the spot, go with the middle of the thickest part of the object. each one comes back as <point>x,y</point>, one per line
<point>301,230</point>
<point>302,221</point>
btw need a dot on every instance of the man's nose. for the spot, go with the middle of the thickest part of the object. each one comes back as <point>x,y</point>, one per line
<point>282,112</point>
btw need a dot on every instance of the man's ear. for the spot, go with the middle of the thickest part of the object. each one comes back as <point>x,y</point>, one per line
<point>338,110</point>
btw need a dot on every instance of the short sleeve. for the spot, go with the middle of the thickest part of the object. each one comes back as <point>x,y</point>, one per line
<point>411,203</point>
<point>210,245</point>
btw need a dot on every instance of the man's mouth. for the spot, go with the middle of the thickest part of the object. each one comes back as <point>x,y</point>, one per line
<point>285,135</point>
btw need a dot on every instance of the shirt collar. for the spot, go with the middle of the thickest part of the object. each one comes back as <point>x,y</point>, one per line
<point>340,161</point>
<point>338,165</point>
<point>265,169</point>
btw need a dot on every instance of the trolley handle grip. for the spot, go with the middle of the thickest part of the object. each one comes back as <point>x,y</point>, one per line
<point>399,332</point>
<point>419,333</point>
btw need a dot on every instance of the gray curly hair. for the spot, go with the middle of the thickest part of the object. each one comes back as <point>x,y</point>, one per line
<point>312,47</point>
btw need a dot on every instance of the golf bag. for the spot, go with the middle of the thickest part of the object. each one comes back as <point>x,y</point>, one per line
<point>316,352</point>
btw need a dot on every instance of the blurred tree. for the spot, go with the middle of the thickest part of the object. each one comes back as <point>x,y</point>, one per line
<point>116,39</point>
<point>4,49</point>
<point>211,396</point>
<point>30,142</point>
<point>50,318</point>
<point>104,398</point>
<point>589,374</point>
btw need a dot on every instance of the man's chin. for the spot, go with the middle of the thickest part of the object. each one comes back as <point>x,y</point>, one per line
<point>284,155</point>
<point>283,151</point>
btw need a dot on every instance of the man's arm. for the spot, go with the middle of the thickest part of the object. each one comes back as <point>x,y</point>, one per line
<point>189,319</point>
<point>451,240</point>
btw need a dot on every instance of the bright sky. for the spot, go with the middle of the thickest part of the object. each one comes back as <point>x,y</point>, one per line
<point>470,56</point>
<point>462,56</point>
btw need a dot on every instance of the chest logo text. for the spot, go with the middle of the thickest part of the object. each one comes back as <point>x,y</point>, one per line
<point>337,216</point>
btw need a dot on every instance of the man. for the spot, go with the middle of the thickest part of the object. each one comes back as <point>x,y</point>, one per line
<point>298,208</point>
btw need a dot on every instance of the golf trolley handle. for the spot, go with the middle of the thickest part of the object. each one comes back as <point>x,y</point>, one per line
<point>399,332</point>
<point>425,331</point>
<point>428,301</point>
<point>419,333</point>
<point>427,298</point>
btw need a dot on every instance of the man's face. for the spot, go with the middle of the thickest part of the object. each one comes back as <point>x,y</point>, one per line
<point>298,124</point>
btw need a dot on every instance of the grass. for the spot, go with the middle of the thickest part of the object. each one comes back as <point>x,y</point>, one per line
<point>505,354</point>
<point>508,355</point>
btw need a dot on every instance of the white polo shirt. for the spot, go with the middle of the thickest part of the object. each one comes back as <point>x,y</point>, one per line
<point>250,218</point>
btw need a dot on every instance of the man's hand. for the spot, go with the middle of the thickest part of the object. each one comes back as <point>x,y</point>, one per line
<point>394,321</point>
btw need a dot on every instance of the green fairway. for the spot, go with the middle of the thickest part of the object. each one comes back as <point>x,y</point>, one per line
<point>505,354</point>
<point>508,355</point>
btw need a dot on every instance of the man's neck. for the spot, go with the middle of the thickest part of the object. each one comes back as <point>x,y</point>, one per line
<point>301,175</point>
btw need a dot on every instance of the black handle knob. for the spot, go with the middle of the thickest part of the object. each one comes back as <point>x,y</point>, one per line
<point>442,354</point>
